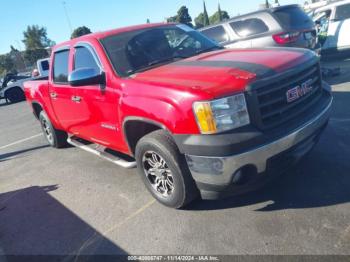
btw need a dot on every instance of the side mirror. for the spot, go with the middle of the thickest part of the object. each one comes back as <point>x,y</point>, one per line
<point>86,76</point>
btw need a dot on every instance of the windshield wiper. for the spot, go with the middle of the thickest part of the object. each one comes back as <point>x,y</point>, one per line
<point>156,62</point>
<point>168,59</point>
<point>209,49</point>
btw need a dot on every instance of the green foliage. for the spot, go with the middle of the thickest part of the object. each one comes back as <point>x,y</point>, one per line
<point>203,20</point>
<point>6,64</point>
<point>267,4</point>
<point>36,42</point>
<point>219,17</point>
<point>17,59</point>
<point>35,37</point>
<point>31,56</point>
<point>199,21</point>
<point>183,16</point>
<point>148,21</point>
<point>171,19</point>
<point>80,31</point>
<point>206,21</point>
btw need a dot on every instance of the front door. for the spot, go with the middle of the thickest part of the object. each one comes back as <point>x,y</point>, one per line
<point>97,106</point>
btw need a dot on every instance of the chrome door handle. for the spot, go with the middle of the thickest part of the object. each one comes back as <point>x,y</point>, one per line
<point>53,95</point>
<point>76,99</point>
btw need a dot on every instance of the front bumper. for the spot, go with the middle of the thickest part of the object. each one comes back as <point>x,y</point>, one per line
<point>214,175</point>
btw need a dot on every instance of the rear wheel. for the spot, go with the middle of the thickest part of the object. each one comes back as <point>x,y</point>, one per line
<point>15,95</point>
<point>55,137</point>
<point>164,170</point>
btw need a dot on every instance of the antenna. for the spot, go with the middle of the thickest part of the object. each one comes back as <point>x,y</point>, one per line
<point>67,16</point>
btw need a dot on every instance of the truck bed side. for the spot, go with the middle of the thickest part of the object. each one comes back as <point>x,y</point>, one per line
<point>38,97</point>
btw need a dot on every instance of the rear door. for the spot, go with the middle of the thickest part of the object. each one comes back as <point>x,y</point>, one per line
<point>218,34</point>
<point>97,105</point>
<point>250,29</point>
<point>61,93</point>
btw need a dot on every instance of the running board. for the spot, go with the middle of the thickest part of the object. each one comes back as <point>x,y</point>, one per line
<point>100,151</point>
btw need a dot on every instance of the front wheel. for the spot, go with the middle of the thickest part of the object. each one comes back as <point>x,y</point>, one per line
<point>55,137</point>
<point>164,170</point>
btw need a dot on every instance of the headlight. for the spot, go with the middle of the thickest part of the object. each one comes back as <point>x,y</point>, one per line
<point>221,114</point>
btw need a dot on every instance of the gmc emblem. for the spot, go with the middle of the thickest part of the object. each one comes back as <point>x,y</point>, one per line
<point>299,91</point>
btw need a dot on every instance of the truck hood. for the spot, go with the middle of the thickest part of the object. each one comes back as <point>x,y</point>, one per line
<point>225,71</point>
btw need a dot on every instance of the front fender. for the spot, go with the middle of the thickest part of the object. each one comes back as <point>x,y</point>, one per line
<point>176,117</point>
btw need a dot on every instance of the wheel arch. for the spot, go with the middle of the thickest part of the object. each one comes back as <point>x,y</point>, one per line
<point>134,128</point>
<point>12,88</point>
<point>37,108</point>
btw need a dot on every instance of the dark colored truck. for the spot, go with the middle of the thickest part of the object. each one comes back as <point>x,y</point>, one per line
<point>196,119</point>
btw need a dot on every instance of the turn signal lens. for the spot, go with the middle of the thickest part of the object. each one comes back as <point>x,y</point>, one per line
<point>205,118</point>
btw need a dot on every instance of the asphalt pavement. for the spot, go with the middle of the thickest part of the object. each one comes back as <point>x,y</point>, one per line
<point>61,202</point>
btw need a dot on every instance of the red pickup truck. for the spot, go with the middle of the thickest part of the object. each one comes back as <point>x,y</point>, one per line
<point>194,118</point>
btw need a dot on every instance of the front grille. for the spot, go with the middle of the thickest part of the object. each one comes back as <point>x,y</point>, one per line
<point>271,107</point>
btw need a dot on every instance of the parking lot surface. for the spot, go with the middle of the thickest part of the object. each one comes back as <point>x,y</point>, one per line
<point>70,202</point>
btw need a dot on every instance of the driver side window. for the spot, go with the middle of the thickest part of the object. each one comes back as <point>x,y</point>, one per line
<point>84,59</point>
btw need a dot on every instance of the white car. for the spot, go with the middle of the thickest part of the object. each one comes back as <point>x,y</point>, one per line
<point>333,21</point>
<point>12,89</point>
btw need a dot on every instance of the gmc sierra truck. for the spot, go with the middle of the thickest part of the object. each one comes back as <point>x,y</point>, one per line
<point>195,119</point>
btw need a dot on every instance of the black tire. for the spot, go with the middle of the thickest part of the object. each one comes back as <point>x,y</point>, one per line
<point>55,137</point>
<point>162,144</point>
<point>15,95</point>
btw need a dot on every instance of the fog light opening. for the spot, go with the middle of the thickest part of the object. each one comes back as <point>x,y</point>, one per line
<point>244,175</point>
<point>237,177</point>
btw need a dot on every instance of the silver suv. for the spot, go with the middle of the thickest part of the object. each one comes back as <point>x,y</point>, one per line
<point>280,26</point>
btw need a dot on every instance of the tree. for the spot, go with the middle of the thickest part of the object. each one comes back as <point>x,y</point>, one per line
<point>202,19</point>
<point>33,55</point>
<point>220,13</point>
<point>17,59</point>
<point>205,15</point>
<point>171,19</point>
<point>35,37</point>
<point>6,64</point>
<point>267,5</point>
<point>36,42</point>
<point>183,16</point>
<point>218,17</point>
<point>80,31</point>
<point>148,21</point>
<point>199,21</point>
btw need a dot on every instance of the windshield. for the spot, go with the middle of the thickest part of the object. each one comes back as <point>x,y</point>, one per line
<point>140,50</point>
<point>293,18</point>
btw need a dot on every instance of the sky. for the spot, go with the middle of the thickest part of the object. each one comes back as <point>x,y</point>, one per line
<point>99,15</point>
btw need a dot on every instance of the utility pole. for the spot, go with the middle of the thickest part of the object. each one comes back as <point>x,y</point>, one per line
<point>67,16</point>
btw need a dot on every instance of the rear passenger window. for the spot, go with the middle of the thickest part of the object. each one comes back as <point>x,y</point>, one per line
<point>216,33</point>
<point>293,17</point>
<point>60,67</point>
<point>84,59</point>
<point>342,12</point>
<point>249,27</point>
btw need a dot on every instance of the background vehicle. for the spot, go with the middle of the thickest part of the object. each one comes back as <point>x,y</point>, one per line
<point>43,66</point>
<point>333,22</point>
<point>12,87</point>
<point>287,26</point>
<point>192,116</point>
